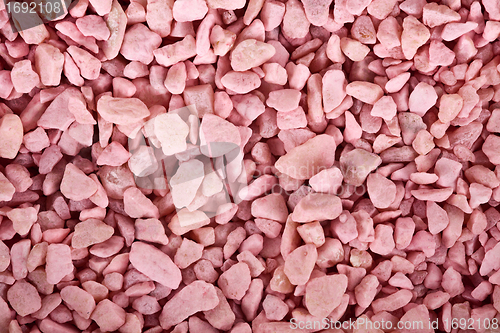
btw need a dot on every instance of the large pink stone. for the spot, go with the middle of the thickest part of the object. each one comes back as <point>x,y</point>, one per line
<point>306,160</point>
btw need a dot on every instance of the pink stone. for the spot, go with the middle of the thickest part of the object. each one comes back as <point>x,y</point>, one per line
<point>89,65</point>
<point>274,308</point>
<point>452,282</point>
<point>11,131</point>
<point>306,160</point>
<point>422,98</point>
<point>491,148</point>
<point>241,82</point>
<point>364,91</point>
<point>299,264</point>
<point>188,253</point>
<point>317,11</point>
<point>384,241</point>
<point>189,10</point>
<point>150,230</point>
<point>24,298</point>
<point>295,23</point>
<point>317,206</point>
<point>108,316</point>
<point>173,53</point>
<point>23,77</point>
<point>93,25</point>
<point>155,264</point>
<point>114,154</point>
<point>384,108</point>
<point>324,294</point>
<point>196,296</point>
<point>353,49</point>
<point>23,219</point>
<point>222,316</point>
<point>90,232</point>
<point>250,53</point>
<point>366,290</point>
<point>137,205</point>
<point>79,300</point>
<point>414,35</point>
<point>435,15</point>
<point>76,185</point>
<point>59,263</point>
<point>122,111</point>
<point>333,89</point>
<point>392,302</point>
<point>327,181</point>
<point>235,281</point>
<point>449,107</point>
<point>436,299</point>
<point>271,207</point>
<point>452,31</point>
<point>437,218</point>
<point>381,190</point>
<point>284,100</point>
<point>49,63</point>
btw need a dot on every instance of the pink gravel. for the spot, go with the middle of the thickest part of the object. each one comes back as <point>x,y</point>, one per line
<point>265,166</point>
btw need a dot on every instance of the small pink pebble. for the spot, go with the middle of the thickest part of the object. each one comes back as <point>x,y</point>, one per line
<point>108,316</point>
<point>222,316</point>
<point>93,25</point>
<point>299,264</point>
<point>155,264</point>
<point>452,282</point>
<point>436,299</point>
<point>11,131</point>
<point>364,91</point>
<point>49,63</point>
<point>150,230</point>
<point>414,35</point>
<point>88,64</point>
<point>90,232</point>
<point>235,281</point>
<point>385,108</point>
<point>435,15</point>
<point>79,300</point>
<point>392,302</point>
<point>188,253</point>
<point>76,185</point>
<point>317,206</point>
<point>274,308</point>
<point>24,298</point>
<point>250,53</point>
<point>449,107</point>
<point>23,77</point>
<point>366,290</point>
<point>437,218</point>
<point>306,160</point>
<point>189,10</point>
<point>137,205</point>
<point>146,305</point>
<point>491,148</point>
<point>353,49</point>
<point>241,82</point>
<point>23,219</point>
<point>18,257</point>
<point>284,100</point>
<point>275,73</point>
<point>400,280</point>
<point>59,263</point>
<point>381,190</point>
<point>196,296</point>
<point>384,241</point>
<point>324,294</point>
<point>114,154</point>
